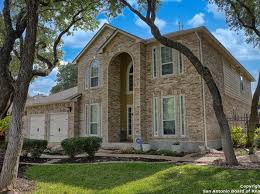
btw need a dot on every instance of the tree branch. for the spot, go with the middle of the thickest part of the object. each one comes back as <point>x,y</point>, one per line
<point>42,45</point>
<point>7,16</point>
<point>251,26</point>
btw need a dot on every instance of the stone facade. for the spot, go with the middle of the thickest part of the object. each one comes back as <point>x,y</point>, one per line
<point>114,49</point>
<point>109,45</point>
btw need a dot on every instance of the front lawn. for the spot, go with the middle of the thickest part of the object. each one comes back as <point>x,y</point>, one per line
<point>137,178</point>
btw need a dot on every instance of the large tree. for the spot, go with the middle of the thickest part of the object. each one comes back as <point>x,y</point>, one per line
<point>150,7</point>
<point>245,15</point>
<point>66,78</point>
<point>26,23</point>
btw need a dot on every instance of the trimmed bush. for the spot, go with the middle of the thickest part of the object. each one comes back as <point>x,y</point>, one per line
<point>71,146</point>
<point>4,125</point>
<point>34,146</point>
<point>239,137</point>
<point>90,145</point>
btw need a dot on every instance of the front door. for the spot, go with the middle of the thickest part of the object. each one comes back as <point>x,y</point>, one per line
<point>129,121</point>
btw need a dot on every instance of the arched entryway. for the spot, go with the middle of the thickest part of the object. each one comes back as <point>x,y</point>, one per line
<point>120,98</point>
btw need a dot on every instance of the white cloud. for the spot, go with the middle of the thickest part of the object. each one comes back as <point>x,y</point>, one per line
<point>236,44</point>
<point>80,38</point>
<point>213,8</point>
<point>42,85</point>
<point>197,20</point>
<point>160,23</point>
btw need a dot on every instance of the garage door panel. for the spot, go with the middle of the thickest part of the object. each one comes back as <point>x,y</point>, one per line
<point>58,127</point>
<point>37,127</point>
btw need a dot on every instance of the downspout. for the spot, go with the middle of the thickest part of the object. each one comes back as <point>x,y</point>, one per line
<point>203,96</point>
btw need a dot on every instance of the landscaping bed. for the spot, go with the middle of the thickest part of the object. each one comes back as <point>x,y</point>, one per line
<point>105,159</point>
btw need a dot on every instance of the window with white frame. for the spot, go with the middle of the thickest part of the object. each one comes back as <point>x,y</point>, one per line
<point>180,61</point>
<point>154,62</point>
<point>166,61</point>
<point>94,74</point>
<point>168,115</point>
<point>182,114</point>
<point>241,84</point>
<point>130,78</point>
<point>155,116</point>
<point>93,120</point>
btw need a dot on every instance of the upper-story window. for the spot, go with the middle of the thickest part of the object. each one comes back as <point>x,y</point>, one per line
<point>130,78</point>
<point>94,73</point>
<point>166,61</point>
<point>241,84</point>
<point>154,62</point>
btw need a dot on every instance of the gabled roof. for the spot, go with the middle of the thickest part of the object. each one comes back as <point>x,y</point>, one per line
<point>64,96</point>
<point>202,29</point>
<point>116,30</point>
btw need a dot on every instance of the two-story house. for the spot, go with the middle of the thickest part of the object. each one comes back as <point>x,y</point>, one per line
<point>130,88</point>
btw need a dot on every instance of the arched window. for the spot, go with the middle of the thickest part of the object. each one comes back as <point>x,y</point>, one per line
<point>130,78</point>
<point>94,74</point>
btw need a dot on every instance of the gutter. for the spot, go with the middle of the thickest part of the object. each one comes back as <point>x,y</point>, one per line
<point>203,95</point>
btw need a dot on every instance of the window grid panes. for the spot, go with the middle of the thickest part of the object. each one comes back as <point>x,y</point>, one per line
<point>93,119</point>
<point>180,63</point>
<point>130,121</point>
<point>155,115</point>
<point>130,79</point>
<point>94,74</point>
<point>166,60</point>
<point>168,117</point>
<point>154,63</point>
<point>182,115</point>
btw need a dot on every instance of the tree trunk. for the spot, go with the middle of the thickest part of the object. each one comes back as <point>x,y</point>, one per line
<point>15,138</point>
<point>217,100</point>
<point>253,119</point>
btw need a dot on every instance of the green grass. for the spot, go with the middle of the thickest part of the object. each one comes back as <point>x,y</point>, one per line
<point>137,178</point>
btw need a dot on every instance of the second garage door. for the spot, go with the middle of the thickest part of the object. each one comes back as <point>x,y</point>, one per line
<point>58,127</point>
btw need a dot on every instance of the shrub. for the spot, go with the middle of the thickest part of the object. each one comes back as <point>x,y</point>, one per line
<point>239,137</point>
<point>90,145</point>
<point>71,146</point>
<point>257,137</point>
<point>34,146</point>
<point>4,125</point>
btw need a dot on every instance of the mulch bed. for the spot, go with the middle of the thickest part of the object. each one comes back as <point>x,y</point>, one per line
<point>104,159</point>
<point>33,160</point>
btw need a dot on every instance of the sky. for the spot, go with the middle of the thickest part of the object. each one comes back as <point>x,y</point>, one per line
<point>171,12</point>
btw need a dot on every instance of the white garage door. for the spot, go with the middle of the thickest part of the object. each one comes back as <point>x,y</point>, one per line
<point>37,127</point>
<point>58,127</point>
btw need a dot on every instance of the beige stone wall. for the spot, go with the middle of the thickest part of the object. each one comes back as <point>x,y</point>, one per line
<point>73,116</point>
<point>187,84</point>
<point>104,94</point>
<point>213,59</point>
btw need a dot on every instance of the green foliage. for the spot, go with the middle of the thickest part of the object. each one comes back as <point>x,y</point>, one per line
<point>35,147</point>
<point>257,137</point>
<point>90,145</point>
<point>239,138</point>
<point>153,152</point>
<point>238,13</point>
<point>134,178</point>
<point>71,146</point>
<point>54,18</point>
<point>66,78</point>
<point>4,125</point>
<point>78,145</point>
